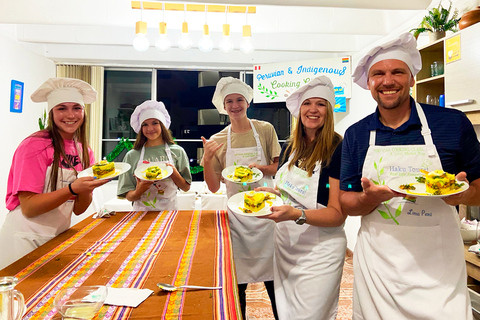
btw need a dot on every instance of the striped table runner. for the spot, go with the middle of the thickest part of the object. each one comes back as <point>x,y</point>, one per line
<point>136,250</point>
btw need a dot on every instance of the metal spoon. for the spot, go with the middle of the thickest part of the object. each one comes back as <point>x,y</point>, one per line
<point>169,287</point>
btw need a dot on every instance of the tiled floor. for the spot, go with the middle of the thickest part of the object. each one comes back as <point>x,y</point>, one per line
<point>258,303</point>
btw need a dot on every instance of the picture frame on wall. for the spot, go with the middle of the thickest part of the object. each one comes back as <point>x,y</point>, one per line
<point>16,96</point>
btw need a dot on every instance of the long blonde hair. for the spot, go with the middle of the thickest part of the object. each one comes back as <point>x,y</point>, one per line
<point>322,147</point>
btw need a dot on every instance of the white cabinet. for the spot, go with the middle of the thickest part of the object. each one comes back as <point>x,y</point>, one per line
<point>462,77</point>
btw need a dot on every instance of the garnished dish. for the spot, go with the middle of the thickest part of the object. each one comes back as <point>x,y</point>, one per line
<point>407,186</point>
<point>437,183</point>
<point>153,171</point>
<point>242,174</point>
<point>103,169</point>
<point>255,201</point>
<point>251,203</point>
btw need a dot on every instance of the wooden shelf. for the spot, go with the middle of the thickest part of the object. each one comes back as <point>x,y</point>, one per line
<point>437,79</point>
<point>425,83</point>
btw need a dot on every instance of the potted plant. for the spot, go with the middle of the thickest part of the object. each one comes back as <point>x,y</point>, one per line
<point>437,22</point>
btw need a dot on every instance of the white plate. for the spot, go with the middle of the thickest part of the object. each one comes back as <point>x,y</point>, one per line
<point>140,171</point>
<point>227,173</point>
<point>120,168</point>
<point>420,189</point>
<point>236,204</point>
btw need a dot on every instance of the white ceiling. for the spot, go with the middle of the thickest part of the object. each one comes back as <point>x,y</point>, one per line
<point>102,31</point>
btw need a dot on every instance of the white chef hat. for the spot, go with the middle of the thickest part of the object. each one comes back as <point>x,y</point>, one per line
<point>229,85</point>
<point>59,90</point>
<point>149,109</point>
<point>319,87</point>
<point>403,48</point>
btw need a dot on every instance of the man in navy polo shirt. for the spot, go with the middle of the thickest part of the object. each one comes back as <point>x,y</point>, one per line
<point>409,261</point>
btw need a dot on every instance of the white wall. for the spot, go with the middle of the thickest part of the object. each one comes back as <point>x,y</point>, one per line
<point>17,63</point>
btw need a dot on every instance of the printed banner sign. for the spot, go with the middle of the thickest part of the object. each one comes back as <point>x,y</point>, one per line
<point>274,82</point>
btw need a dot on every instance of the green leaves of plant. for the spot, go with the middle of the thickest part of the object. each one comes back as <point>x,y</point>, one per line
<point>438,19</point>
<point>43,120</point>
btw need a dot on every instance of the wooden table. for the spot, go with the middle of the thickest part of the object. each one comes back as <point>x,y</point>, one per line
<point>137,250</point>
<point>473,263</point>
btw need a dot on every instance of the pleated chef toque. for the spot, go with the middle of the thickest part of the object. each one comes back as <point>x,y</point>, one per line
<point>55,91</point>
<point>149,109</point>
<point>319,87</point>
<point>404,48</point>
<point>229,85</point>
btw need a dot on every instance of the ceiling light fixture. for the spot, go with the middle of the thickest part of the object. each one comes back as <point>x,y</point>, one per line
<point>205,44</point>
<point>185,42</point>
<point>226,44</point>
<point>246,46</point>
<point>140,42</point>
<point>163,43</point>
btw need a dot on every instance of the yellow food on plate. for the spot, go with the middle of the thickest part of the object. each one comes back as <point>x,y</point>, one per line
<point>407,186</point>
<point>242,174</point>
<point>255,201</point>
<point>153,172</point>
<point>103,169</point>
<point>439,182</point>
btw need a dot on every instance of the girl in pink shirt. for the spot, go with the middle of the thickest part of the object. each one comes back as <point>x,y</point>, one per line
<point>43,189</point>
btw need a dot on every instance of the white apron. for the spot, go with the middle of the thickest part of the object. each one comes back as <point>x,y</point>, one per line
<point>252,238</point>
<point>409,260</point>
<point>308,259</point>
<point>162,195</point>
<point>20,235</point>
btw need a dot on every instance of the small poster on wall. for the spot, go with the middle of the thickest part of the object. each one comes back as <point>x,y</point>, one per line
<point>16,96</point>
<point>453,49</point>
<point>274,82</point>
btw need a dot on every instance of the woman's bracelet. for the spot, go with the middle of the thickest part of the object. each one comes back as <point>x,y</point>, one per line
<point>71,190</point>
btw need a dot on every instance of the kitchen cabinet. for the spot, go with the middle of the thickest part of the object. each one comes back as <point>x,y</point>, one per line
<point>425,83</point>
<point>461,79</point>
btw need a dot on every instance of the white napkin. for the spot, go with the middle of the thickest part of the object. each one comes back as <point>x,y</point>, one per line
<point>103,213</point>
<point>128,297</point>
<point>475,248</point>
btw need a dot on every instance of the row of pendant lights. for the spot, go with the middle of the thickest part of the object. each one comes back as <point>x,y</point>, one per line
<point>185,42</point>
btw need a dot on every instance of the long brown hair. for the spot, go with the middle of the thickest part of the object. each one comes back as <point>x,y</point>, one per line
<point>53,133</point>
<point>320,149</point>
<point>141,139</point>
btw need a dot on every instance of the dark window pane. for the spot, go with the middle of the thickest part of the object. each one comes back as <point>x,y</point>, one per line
<point>274,112</point>
<point>124,90</point>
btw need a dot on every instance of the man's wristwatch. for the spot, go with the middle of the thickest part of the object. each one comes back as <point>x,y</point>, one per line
<point>302,219</point>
